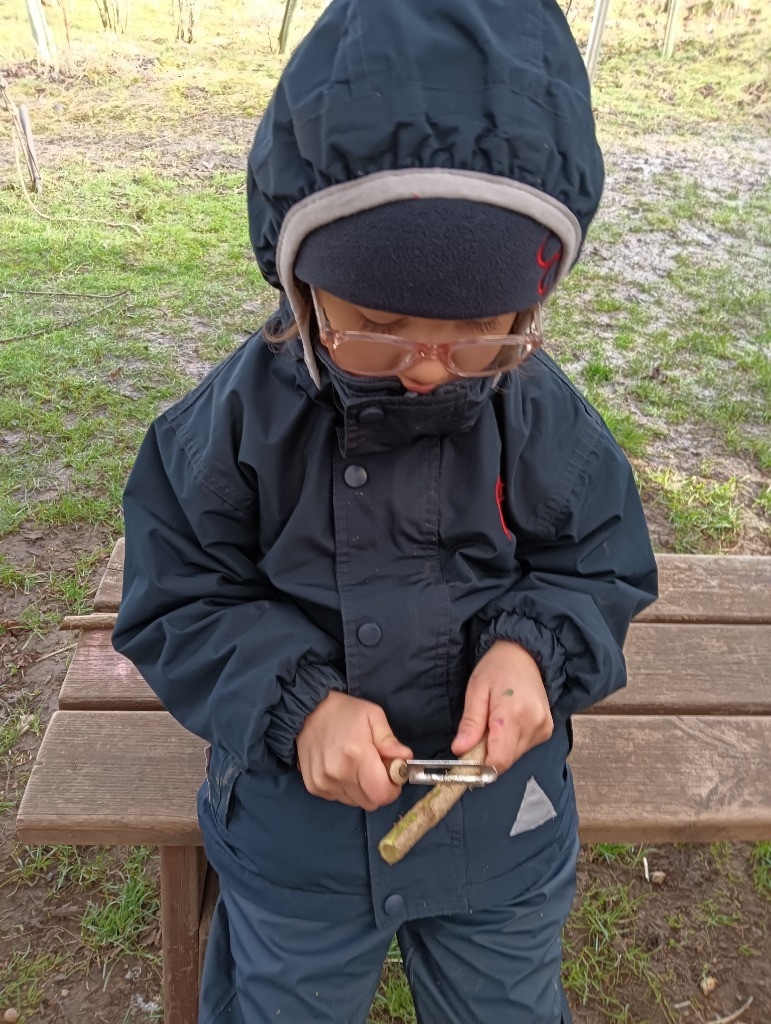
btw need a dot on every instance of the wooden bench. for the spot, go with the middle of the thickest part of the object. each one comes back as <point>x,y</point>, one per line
<point>683,754</point>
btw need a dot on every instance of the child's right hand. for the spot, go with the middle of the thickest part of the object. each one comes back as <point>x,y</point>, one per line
<point>340,752</point>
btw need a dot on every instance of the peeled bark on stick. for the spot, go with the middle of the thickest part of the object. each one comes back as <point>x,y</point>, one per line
<point>427,812</point>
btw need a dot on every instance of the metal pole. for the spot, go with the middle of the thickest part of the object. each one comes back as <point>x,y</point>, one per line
<point>40,31</point>
<point>595,36</point>
<point>673,23</point>
<point>289,12</point>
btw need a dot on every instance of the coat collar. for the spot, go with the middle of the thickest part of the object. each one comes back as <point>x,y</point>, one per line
<point>378,415</point>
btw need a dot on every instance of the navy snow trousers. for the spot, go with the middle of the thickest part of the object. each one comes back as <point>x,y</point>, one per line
<point>498,966</point>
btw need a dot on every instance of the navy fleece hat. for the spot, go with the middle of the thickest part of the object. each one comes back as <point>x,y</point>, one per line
<point>438,258</point>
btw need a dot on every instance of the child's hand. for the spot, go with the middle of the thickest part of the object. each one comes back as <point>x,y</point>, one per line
<point>340,752</point>
<point>506,698</point>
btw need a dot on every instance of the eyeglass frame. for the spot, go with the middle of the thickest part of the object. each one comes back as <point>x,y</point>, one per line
<point>529,342</point>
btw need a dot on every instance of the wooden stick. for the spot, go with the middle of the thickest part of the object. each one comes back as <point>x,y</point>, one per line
<point>427,812</point>
<point>30,152</point>
<point>97,620</point>
<point>732,1016</point>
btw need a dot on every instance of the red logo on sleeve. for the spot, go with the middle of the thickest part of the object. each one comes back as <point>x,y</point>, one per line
<point>499,502</point>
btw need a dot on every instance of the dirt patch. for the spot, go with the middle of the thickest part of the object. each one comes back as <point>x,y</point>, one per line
<point>704,919</point>
<point>736,165</point>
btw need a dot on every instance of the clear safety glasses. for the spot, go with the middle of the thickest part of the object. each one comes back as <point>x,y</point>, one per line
<point>381,355</point>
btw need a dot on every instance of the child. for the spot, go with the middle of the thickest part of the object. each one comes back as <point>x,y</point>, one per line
<point>398,532</point>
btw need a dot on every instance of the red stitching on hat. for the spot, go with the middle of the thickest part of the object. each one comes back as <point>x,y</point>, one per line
<point>499,502</point>
<point>546,264</point>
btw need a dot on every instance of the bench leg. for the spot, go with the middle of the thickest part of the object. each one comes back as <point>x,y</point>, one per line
<point>183,871</point>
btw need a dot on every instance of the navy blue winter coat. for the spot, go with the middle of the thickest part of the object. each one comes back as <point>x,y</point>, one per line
<point>291,530</point>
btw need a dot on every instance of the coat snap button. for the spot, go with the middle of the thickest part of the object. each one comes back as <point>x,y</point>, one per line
<point>355,476</point>
<point>394,905</point>
<point>372,414</point>
<point>369,634</point>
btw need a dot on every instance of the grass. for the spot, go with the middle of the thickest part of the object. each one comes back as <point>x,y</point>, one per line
<point>713,916</point>
<point>85,393</point>
<point>603,954</point>
<point>71,589</point>
<point>393,1001</point>
<point>23,975</point>
<point>721,855</point>
<point>705,515</point>
<point>19,717</point>
<point>118,920</point>
<point>183,287</point>
<point>714,68</point>
<point>124,904</point>
<point>67,869</point>
<point>688,345</point>
<point>625,854</point>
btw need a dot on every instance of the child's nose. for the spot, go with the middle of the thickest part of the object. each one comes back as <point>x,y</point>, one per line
<point>428,370</point>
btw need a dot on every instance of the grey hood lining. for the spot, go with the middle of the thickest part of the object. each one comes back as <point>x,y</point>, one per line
<point>350,197</point>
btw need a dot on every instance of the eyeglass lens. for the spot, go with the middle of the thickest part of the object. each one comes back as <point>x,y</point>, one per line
<point>373,355</point>
<point>379,356</point>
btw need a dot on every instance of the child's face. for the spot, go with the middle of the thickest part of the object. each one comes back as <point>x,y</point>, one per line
<point>428,367</point>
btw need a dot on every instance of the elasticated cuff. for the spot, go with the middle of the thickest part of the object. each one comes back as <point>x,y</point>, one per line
<point>312,683</point>
<point>538,640</point>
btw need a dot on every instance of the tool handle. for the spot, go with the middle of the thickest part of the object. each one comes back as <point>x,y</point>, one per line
<point>427,812</point>
<point>397,770</point>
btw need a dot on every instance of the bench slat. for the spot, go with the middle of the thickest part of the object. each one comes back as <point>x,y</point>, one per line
<point>110,589</point>
<point>712,588</point>
<point>694,588</point>
<point>100,679</point>
<point>695,779</point>
<point>113,778</point>
<point>679,669</point>
<point>694,669</point>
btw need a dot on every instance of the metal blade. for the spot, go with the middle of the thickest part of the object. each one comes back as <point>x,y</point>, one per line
<point>464,773</point>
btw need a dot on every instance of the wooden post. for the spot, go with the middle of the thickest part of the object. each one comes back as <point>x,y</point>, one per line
<point>595,36</point>
<point>183,874</point>
<point>673,23</point>
<point>290,9</point>
<point>30,152</point>
<point>22,133</point>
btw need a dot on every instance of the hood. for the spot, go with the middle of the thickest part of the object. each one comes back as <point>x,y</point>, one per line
<point>386,101</point>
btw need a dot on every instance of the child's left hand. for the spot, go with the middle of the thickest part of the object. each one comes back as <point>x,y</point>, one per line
<point>506,698</point>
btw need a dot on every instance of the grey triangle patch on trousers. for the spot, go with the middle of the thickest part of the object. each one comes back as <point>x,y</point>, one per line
<point>536,809</point>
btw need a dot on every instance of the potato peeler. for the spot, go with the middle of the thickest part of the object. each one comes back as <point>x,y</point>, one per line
<point>439,772</point>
